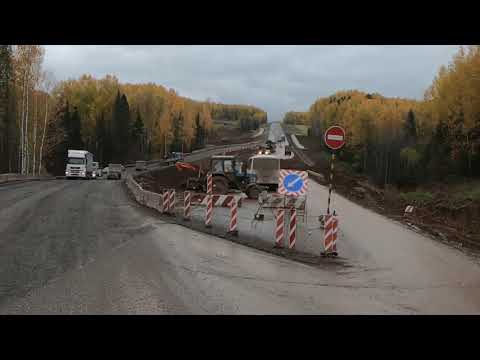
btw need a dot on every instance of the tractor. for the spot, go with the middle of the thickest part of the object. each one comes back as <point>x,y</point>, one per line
<point>228,173</point>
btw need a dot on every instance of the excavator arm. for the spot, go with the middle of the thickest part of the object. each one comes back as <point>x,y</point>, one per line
<point>187,166</point>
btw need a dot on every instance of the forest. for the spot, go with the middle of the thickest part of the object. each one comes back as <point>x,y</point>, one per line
<point>296,117</point>
<point>407,142</point>
<point>40,118</point>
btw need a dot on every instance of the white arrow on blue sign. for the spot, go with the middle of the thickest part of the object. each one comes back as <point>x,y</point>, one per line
<point>293,182</point>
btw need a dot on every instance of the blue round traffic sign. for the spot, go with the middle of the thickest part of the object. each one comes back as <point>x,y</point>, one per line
<point>293,182</point>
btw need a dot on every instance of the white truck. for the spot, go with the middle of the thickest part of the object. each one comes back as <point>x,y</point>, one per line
<point>79,164</point>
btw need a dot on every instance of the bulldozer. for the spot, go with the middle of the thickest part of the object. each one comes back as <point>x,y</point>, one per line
<point>228,173</point>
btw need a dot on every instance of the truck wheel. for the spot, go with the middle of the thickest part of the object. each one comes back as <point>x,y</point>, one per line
<point>220,185</point>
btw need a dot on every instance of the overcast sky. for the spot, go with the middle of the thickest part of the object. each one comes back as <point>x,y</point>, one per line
<point>275,78</point>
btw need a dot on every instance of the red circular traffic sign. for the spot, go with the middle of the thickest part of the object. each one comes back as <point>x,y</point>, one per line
<point>335,137</point>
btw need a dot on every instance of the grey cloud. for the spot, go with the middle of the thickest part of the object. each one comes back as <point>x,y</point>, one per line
<point>275,78</point>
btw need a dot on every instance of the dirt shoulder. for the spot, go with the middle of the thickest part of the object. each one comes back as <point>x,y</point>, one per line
<point>449,212</point>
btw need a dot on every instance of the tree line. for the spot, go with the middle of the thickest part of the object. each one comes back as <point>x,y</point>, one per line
<point>244,116</point>
<point>295,117</point>
<point>408,142</point>
<point>41,119</point>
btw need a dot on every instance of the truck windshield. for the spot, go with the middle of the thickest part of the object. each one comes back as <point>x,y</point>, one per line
<point>76,161</point>
<point>266,164</point>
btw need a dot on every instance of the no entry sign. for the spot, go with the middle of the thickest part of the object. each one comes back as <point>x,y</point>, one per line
<point>335,137</point>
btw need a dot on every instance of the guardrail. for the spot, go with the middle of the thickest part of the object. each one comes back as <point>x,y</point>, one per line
<point>9,177</point>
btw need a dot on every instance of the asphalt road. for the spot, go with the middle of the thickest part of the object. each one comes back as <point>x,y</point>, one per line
<point>84,247</point>
<point>73,247</point>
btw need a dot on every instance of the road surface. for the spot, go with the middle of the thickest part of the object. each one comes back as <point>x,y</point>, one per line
<point>84,247</point>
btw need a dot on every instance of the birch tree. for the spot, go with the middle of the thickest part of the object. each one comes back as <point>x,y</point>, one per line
<point>48,83</point>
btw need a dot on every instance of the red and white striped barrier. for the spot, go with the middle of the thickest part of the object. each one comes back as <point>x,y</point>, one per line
<point>280,227</point>
<point>165,202</point>
<point>186,206</point>
<point>209,211</point>
<point>218,200</point>
<point>331,231</point>
<point>209,183</point>
<point>232,229</point>
<point>408,210</point>
<point>171,201</point>
<point>292,237</point>
<point>335,233</point>
<point>209,208</point>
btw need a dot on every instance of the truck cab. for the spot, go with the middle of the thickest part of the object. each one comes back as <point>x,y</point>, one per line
<point>266,169</point>
<point>79,164</point>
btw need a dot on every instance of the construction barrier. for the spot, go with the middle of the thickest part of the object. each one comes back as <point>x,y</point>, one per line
<point>209,183</point>
<point>218,200</point>
<point>232,229</point>
<point>292,237</point>
<point>171,201</point>
<point>278,201</point>
<point>165,204</point>
<point>331,231</point>
<point>280,227</point>
<point>186,206</point>
<point>209,212</point>
<point>335,233</point>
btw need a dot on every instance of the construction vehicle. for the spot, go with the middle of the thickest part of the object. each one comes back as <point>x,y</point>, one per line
<point>174,157</point>
<point>267,170</point>
<point>270,145</point>
<point>228,173</point>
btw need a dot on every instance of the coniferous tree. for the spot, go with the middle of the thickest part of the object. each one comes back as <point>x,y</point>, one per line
<point>8,126</point>
<point>75,131</point>
<point>101,139</point>
<point>177,134</point>
<point>410,129</point>
<point>199,133</point>
<point>138,136</point>
<point>121,128</point>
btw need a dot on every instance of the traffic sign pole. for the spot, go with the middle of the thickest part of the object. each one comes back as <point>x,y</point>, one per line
<point>335,140</point>
<point>330,185</point>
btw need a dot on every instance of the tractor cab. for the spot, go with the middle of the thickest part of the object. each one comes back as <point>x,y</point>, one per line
<point>228,166</point>
<point>230,173</point>
<point>224,164</point>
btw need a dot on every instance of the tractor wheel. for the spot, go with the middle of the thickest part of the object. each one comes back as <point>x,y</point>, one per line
<point>220,185</point>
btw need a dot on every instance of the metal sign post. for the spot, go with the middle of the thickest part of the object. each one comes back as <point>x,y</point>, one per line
<point>335,140</point>
<point>330,185</point>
